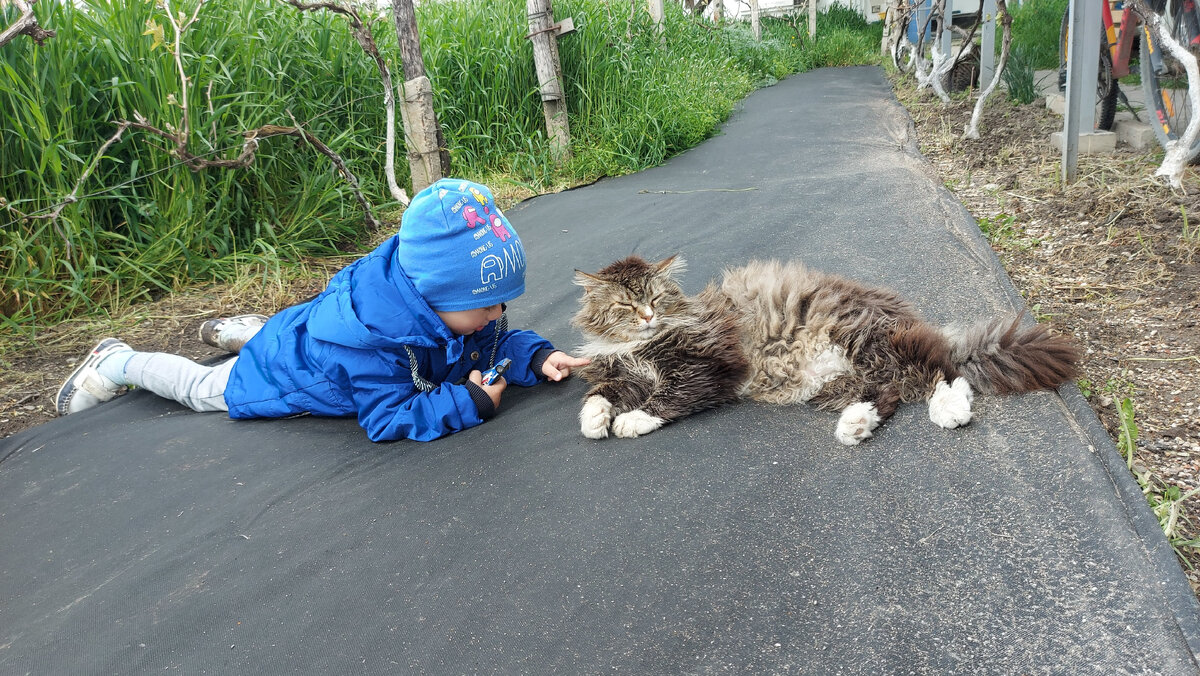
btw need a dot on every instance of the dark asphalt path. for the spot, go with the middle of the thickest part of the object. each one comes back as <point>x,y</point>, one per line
<point>142,538</point>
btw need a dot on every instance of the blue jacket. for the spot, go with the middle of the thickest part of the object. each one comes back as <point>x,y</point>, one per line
<point>343,353</point>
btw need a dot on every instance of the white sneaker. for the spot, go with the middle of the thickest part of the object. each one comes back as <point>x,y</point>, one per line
<point>85,387</point>
<point>231,333</point>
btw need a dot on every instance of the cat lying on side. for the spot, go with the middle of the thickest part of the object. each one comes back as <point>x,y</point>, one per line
<point>784,334</point>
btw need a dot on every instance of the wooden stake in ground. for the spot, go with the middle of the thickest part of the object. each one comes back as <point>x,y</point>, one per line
<point>542,35</point>
<point>428,159</point>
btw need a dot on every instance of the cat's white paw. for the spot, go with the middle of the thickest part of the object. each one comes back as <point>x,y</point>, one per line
<point>950,405</point>
<point>635,423</point>
<point>594,417</point>
<point>856,423</point>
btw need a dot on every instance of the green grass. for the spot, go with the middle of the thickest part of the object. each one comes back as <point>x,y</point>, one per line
<point>1035,31</point>
<point>146,225</point>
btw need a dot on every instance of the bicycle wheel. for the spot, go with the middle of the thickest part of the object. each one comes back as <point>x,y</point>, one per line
<point>1106,86</point>
<point>963,75</point>
<point>1166,87</point>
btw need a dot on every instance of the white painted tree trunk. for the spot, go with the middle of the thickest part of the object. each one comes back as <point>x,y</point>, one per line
<point>887,43</point>
<point>389,169</point>
<point>942,63</point>
<point>1179,152</point>
<point>1002,15</point>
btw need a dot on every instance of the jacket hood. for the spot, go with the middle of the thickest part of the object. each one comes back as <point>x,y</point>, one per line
<point>371,304</point>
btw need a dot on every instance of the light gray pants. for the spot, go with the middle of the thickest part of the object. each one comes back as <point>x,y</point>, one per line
<point>199,387</point>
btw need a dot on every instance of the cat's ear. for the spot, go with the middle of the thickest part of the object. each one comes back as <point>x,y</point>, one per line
<point>588,282</point>
<point>675,265</point>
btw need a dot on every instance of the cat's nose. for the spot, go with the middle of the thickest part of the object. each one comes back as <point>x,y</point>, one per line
<point>645,313</point>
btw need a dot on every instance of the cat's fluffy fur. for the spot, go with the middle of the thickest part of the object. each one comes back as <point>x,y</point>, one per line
<point>781,333</point>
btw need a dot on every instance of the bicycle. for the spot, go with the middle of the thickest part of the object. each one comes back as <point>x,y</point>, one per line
<point>1164,81</point>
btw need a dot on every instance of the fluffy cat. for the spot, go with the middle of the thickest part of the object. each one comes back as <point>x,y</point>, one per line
<point>782,333</point>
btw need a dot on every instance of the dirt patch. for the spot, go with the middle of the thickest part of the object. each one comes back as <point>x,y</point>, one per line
<point>35,369</point>
<point>1113,259</point>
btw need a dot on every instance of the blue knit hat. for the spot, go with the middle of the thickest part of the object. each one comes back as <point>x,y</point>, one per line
<point>458,249</point>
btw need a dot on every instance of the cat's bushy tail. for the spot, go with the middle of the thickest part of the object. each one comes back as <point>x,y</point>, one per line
<point>1002,357</point>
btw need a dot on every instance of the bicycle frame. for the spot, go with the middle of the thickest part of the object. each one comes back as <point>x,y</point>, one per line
<point>1120,46</point>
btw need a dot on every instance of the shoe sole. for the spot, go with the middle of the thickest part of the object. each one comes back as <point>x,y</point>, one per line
<point>209,337</point>
<point>63,399</point>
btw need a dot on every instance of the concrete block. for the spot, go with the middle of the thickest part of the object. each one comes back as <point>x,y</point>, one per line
<point>1089,144</point>
<point>1046,82</point>
<point>1136,135</point>
<point>1056,102</point>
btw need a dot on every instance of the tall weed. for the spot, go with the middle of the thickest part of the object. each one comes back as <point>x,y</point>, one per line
<point>1018,77</point>
<point>145,224</point>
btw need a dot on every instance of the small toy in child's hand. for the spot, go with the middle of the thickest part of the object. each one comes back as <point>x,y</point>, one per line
<point>491,375</point>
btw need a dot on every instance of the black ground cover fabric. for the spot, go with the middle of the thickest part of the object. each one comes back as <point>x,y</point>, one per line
<point>142,538</point>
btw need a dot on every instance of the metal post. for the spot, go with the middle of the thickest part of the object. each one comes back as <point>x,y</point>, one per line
<point>1080,110</point>
<point>987,44</point>
<point>947,34</point>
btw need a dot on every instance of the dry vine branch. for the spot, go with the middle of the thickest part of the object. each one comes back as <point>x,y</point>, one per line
<point>26,24</point>
<point>72,198</point>
<point>250,147</point>
<point>180,26</point>
<point>362,33</point>
<point>5,204</point>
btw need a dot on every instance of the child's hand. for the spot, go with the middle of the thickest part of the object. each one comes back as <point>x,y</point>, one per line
<point>493,391</point>
<point>558,365</point>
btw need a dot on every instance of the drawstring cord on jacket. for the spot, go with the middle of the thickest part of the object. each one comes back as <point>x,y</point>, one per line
<point>425,386</point>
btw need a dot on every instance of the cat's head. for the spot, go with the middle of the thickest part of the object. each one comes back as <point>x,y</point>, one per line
<point>631,299</point>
